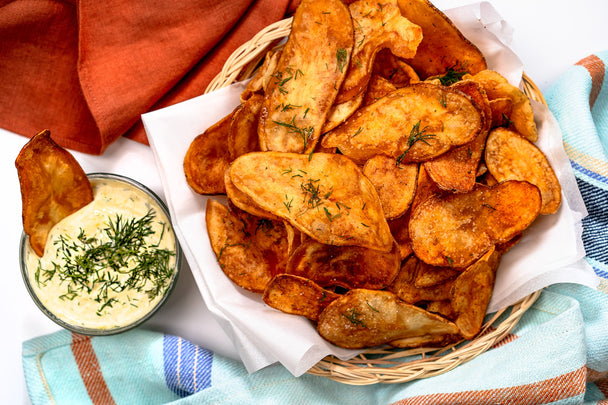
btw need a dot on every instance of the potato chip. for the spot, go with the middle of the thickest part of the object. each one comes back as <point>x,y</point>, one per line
<point>405,288</point>
<point>53,186</point>
<point>456,170</point>
<point>430,340</point>
<point>522,115</point>
<point>456,229</point>
<point>393,69</point>
<point>298,296</point>
<point>400,231</point>
<point>377,88</point>
<point>511,157</point>
<point>443,50</point>
<point>259,82</point>
<point>395,184</point>
<point>303,90</point>
<point>471,293</point>
<point>377,26</point>
<point>365,318</point>
<point>324,195</point>
<point>244,202</point>
<point>250,250</point>
<point>243,131</point>
<point>443,308</point>
<point>208,157</point>
<point>502,109</point>
<point>425,188</point>
<point>344,266</point>
<point>412,124</point>
<point>429,276</point>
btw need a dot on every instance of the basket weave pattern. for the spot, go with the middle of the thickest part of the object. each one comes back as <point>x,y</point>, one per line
<point>383,365</point>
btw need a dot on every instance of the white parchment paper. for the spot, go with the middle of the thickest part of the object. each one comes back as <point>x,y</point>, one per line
<point>550,252</point>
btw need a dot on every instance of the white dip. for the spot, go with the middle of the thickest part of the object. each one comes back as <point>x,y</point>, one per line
<point>91,293</point>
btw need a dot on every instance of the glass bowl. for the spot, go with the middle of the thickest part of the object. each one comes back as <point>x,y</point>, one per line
<point>70,307</point>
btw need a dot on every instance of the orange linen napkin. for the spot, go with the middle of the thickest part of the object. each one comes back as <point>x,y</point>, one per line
<point>87,70</point>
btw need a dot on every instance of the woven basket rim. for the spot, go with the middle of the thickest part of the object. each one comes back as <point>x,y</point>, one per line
<point>382,365</point>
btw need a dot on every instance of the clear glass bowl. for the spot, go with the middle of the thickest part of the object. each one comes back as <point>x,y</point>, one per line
<point>24,246</point>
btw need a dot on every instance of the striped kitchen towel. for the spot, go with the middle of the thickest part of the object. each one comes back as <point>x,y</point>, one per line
<point>557,353</point>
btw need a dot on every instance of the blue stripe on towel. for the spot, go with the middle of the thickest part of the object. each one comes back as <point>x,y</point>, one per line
<point>595,225</point>
<point>588,175</point>
<point>187,366</point>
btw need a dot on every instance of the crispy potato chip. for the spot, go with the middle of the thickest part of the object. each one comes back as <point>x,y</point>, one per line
<point>377,26</point>
<point>502,109</point>
<point>411,124</point>
<point>324,195</point>
<point>243,132</point>
<point>344,266</point>
<point>395,184</point>
<point>429,276</point>
<point>393,69</point>
<point>471,293</point>
<point>377,88</point>
<point>511,157</point>
<point>243,202</point>
<point>443,48</point>
<point>259,82</point>
<point>307,78</point>
<point>425,188</point>
<point>456,229</point>
<point>366,318</point>
<point>522,115</point>
<point>456,170</point>
<point>250,250</point>
<point>400,231</point>
<point>443,308</point>
<point>208,157</point>
<point>405,288</point>
<point>298,296</point>
<point>339,113</point>
<point>430,340</point>
<point>53,186</point>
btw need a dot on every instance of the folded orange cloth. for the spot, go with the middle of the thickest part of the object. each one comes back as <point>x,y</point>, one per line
<point>88,69</point>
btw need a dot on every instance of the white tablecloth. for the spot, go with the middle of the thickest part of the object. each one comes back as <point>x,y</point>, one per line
<point>548,35</point>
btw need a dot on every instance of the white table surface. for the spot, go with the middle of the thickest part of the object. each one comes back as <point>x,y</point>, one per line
<point>548,35</point>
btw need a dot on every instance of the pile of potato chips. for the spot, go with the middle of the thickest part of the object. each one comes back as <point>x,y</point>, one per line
<point>376,171</point>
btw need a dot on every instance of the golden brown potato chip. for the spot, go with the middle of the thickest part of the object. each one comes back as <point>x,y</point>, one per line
<point>208,157</point>
<point>443,48</point>
<point>443,308</point>
<point>377,88</point>
<point>393,69</point>
<point>456,170</point>
<point>298,296</point>
<point>404,285</point>
<point>250,250</point>
<point>511,157</point>
<point>344,266</point>
<point>259,82</point>
<point>53,186</point>
<point>425,188</point>
<point>456,229</point>
<point>324,195</point>
<point>395,184</point>
<point>400,231</point>
<point>243,201</point>
<point>299,98</point>
<point>243,132</point>
<point>522,115</point>
<point>502,109</point>
<point>365,318</point>
<point>377,26</point>
<point>429,276</point>
<point>411,124</point>
<point>430,340</point>
<point>471,293</point>
<point>338,113</point>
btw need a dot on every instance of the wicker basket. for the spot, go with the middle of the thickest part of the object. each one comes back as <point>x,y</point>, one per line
<point>382,365</point>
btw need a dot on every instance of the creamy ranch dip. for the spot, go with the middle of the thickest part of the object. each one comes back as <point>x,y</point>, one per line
<point>108,264</point>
